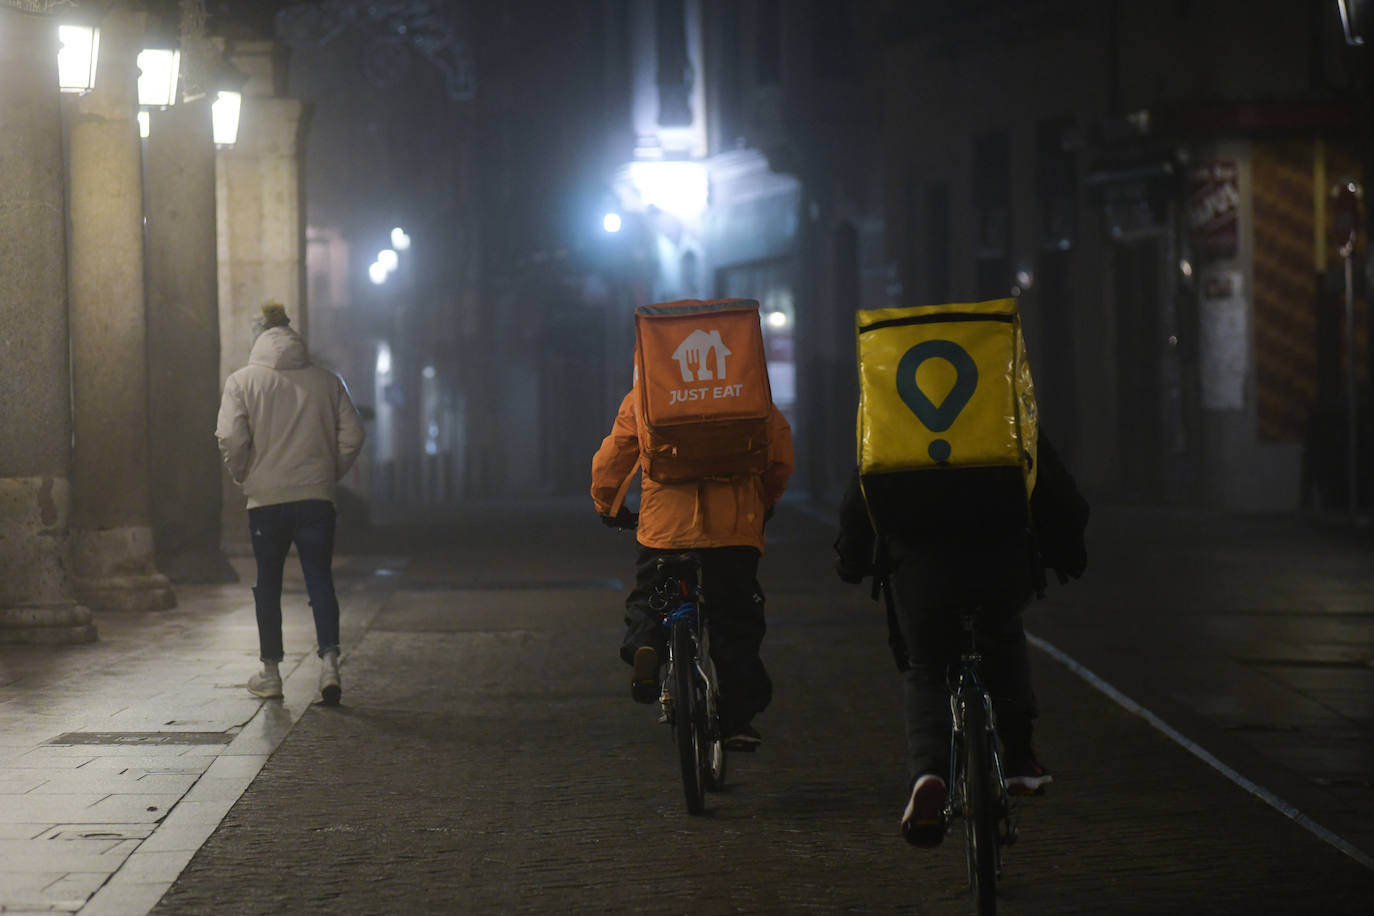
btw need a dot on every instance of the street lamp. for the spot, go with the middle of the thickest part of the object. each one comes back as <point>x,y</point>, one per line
<point>399,240</point>
<point>158,69</point>
<point>387,259</point>
<point>224,117</point>
<point>77,57</point>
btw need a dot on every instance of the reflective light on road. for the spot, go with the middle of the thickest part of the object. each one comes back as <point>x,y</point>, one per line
<point>144,124</point>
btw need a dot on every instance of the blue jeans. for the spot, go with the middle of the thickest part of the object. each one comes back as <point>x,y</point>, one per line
<point>309,524</point>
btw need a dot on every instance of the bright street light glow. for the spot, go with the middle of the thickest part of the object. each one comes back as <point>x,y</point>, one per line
<point>224,115</point>
<point>388,259</point>
<point>377,272</point>
<point>77,58</point>
<point>679,188</point>
<point>428,372</point>
<point>383,358</point>
<point>611,222</point>
<point>777,320</point>
<point>399,240</point>
<point>157,77</point>
<point>144,124</point>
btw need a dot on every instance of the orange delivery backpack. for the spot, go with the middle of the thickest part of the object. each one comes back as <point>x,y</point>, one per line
<point>702,395</point>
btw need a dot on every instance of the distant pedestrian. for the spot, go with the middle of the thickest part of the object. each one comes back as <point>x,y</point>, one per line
<point>288,431</point>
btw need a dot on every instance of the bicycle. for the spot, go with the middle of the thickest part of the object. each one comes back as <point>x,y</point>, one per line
<point>978,788</point>
<point>690,692</point>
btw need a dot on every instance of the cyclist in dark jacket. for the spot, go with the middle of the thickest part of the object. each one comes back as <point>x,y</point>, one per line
<point>978,559</point>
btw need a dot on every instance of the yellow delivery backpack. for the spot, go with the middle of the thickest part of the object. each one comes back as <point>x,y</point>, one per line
<point>702,393</point>
<point>947,413</point>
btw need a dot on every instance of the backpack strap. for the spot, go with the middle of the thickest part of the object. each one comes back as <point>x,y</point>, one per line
<point>624,489</point>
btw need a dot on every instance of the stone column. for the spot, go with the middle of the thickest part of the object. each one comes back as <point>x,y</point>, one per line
<point>113,537</point>
<point>261,230</point>
<point>183,344</point>
<point>36,595</point>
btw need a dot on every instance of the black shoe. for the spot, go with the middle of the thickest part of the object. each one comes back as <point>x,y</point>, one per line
<point>743,738</point>
<point>644,681</point>
<point>923,821</point>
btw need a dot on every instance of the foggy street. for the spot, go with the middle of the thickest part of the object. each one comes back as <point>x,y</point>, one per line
<point>487,757</point>
<point>409,292</point>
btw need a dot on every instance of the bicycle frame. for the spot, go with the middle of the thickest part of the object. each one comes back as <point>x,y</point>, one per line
<point>967,690</point>
<point>683,609</point>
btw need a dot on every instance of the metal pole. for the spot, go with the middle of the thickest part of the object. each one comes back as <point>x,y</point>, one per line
<point>1351,389</point>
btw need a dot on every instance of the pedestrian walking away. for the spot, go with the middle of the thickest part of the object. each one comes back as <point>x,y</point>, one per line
<point>288,432</point>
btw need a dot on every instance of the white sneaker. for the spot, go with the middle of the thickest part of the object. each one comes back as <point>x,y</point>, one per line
<point>330,689</point>
<point>265,684</point>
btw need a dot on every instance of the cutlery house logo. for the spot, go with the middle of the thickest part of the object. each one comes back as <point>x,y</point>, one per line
<point>701,358</point>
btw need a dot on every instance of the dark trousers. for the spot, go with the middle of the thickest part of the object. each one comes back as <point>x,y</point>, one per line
<point>309,524</point>
<point>934,636</point>
<point>734,606</point>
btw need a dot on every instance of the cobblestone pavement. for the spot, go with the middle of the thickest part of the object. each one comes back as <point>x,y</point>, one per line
<point>487,758</point>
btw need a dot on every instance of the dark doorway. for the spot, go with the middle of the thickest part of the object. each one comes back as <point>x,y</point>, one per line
<point>1139,392</point>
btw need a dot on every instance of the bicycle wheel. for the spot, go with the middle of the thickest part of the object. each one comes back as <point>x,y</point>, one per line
<point>715,742</point>
<point>980,812</point>
<point>688,716</point>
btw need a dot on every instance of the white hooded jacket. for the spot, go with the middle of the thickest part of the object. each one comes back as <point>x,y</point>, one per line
<point>287,429</point>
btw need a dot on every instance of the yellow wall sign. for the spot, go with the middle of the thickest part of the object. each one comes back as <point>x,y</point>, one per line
<point>945,386</point>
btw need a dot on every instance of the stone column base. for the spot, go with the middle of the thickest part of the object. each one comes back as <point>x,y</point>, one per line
<point>36,605</point>
<point>116,572</point>
<point>55,625</point>
<point>127,593</point>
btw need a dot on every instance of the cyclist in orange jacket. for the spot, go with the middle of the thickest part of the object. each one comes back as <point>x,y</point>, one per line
<point>722,522</point>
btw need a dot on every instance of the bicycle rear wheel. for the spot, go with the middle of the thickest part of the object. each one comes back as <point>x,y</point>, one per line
<point>714,747</point>
<point>980,811</point>
<point>689,714</point>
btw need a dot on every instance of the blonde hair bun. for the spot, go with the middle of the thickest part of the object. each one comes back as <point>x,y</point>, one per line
<point>274,315</point>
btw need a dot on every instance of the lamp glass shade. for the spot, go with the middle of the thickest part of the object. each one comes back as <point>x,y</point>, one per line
<point>157,77</point>
<point>77,56</point>
<point>224,115</point>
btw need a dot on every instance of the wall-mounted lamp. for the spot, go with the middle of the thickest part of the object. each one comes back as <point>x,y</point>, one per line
<point>158,70</point>
<point>224,117</point>
<point>77,57</point>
